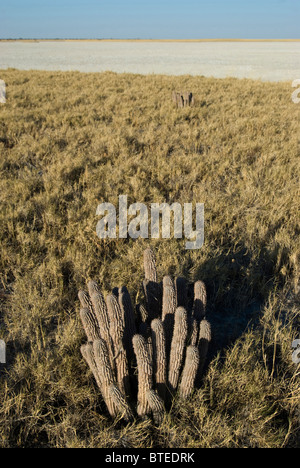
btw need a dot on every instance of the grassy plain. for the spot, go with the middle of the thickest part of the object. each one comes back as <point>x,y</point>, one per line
<point>69,141</point>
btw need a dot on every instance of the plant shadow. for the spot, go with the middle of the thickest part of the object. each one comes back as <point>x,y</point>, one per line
<point>238,287</point>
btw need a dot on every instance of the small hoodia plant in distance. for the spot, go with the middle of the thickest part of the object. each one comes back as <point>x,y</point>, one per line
<point>142,357</point>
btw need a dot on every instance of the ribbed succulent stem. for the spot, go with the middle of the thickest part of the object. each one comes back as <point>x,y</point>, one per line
<point>189,371</point>
<point>200,300</point>
<point>145,373</point>
<point>204,341</point>
<point>169,302</point>
<point>101,314</point>
<point>90,324</point>
<point>159,357</point>
<point>116,323</point>
<point>93,287</point>
<point>150,265</point>
<point>177,347</point>
<point>120,403</point>
<point>105,373</point>
<point>151,287</point>
<point>85,300</point>
<point>142,314</point>
<point>88,355</point>
<point>100,308</point>
<point>157,406</point>
<point>169,297</point>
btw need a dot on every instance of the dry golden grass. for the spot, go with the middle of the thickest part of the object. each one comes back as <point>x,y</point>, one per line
<point>69,141</point>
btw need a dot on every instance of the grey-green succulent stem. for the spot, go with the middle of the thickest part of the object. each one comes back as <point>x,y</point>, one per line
<point>169,302</point>
<point>200,301</point>
<point>177,347</point>
<point>145,373</point>
<point>150,265</point>
<point>105,373</point>
<point>203,345</point>
<point>189,371</point>
<point>120,403</point>
<point>90,324</point>
<point>159,357</point>
<point>88,355</point>
<point>116,322</point>
<point>157,406</point>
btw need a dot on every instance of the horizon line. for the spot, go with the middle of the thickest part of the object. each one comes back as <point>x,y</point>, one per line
<point>146,40</point>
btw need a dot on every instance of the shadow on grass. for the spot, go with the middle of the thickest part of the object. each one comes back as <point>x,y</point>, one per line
<point>238,287</point>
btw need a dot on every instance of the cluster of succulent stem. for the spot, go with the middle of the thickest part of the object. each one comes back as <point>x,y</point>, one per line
<point>141,357</point>
<point>183,99</point>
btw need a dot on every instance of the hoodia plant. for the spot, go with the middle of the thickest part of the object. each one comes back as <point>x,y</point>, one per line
<point>142,357</point>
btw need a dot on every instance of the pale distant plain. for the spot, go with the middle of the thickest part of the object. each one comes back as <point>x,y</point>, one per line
<point>267,61</point>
